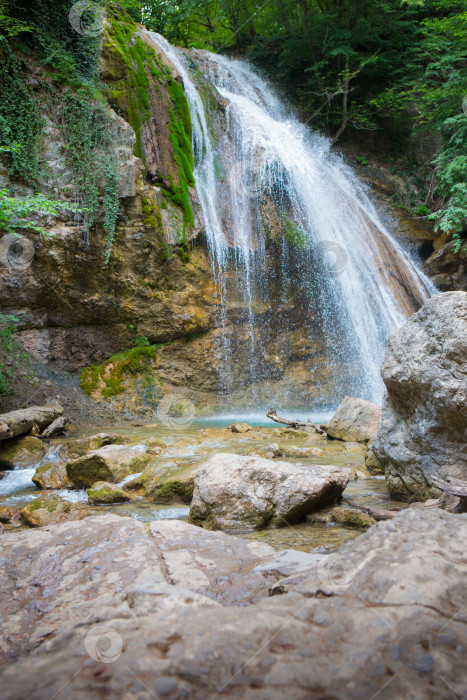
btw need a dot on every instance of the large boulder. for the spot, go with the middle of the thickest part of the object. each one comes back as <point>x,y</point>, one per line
<point>423,430</point>
<point>355,420</point>
<point>110,463</point>
<point>233,491</point>
<point>384,617</point>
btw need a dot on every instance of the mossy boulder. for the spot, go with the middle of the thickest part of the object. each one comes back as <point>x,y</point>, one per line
<point>350,517</point>
<point>111,463</point>
<point>46,510</point>
<point>154,485</point>
<point>79,448</point>
<point>21,452</point>
<point>105,492</point>
<point>52,476</point>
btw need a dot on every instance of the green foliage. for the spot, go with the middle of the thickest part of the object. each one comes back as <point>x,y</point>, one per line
<point>7,347</point>
<point>294,233</point>
<point>15,211</point>
<point>109,376</point>
<point>89,152</point>
<point>180,136</point>
<point>20,123</point>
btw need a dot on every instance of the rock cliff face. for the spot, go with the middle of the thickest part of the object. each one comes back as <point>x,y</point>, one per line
<point>423,426</point>
<point>73,309</point>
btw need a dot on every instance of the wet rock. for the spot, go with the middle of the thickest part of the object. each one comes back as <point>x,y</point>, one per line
<point>9,516</point>
<point>273,450</point>
<point>21,452</point>
<point>448,268</point>
<point>104,492</point>
<point>355,420</point>
<point>372,463</point>
<point>153,483</point>
<point>304,645</point>
<point>46,510</point>
<point>233,491</point>
<point>79,448</point>
<point>52,476</point>
<point>110,463</point>
<point>301,452</point>
<point>424,423</point>
<point>351,517</point>
<point>268,451</point>
<point>240,428</point>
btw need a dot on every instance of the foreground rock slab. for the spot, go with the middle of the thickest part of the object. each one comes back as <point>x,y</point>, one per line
<point>384,617</point>
<point>233,491</point>
<point>423,428</point>
<point>55,577</point>
<point>355,420</point>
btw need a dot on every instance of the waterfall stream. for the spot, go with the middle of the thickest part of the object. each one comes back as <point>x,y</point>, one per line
<point>310,280</point>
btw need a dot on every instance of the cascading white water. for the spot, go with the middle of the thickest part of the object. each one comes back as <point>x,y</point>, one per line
<point>266,172</point>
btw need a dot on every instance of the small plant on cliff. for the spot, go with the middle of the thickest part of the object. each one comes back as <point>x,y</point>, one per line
<point>7,347</point>
<point>108,377</point>
<point>15,212</point>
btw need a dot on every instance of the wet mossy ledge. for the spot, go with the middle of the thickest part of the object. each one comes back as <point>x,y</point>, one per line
<point>136,75</point>
<point>109,378</point>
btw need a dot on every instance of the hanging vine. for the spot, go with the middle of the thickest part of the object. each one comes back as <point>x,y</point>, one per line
<point>88,131</point>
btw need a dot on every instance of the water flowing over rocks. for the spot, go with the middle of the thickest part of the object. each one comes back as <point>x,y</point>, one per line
<point>423,428</point>
<point>233,491</point>
<point>178,627</point>
<point>20,452</point>
<point>355,420</point>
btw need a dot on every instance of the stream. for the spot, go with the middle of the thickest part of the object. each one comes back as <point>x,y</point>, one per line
<point>189,447</point>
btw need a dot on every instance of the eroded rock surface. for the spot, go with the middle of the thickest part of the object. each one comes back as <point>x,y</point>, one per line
<point>385,616</point>
<point>423,430</point>
<point>234,491</point>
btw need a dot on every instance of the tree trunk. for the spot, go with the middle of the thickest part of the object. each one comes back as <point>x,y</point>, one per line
<point>22,421</point>
<point>345,103</point>
<point>293,423</point>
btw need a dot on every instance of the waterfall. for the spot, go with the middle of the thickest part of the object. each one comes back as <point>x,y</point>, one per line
<point>310,280</point>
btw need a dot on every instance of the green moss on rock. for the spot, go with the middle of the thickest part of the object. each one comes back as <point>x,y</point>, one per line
<point>109,376</point>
